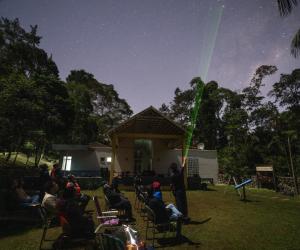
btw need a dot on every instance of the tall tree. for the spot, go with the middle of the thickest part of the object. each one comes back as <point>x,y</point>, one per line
<point>19,51</point>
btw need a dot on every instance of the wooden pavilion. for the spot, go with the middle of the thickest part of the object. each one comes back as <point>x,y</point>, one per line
<point>148,124</point>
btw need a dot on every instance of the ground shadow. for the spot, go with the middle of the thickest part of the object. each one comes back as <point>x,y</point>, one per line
<point>199,222</point>
<point>248,200</point>
<point>171,241</point>
<point>210,189</point>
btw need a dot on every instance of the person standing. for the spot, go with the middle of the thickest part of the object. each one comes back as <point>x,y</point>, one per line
<point>178,187</point>
<point>55,166</point>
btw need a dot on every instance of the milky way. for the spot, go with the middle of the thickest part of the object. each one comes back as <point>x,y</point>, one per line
<point>148,48</point>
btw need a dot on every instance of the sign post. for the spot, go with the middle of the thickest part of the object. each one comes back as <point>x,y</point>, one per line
<point>266,174</point>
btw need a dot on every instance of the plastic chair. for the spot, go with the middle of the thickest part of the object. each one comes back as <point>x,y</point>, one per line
<point>105,218</point>
<point>47,224</point>
<point>151,219</point>
<point>110,242</point>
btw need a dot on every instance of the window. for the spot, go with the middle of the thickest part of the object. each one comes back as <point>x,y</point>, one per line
<point>66,165</point>
<point>192,167</point>
<point>108,160</point>
<point>102,161</point>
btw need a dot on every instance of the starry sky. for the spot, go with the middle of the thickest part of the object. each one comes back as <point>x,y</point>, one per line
<point>147,48</point>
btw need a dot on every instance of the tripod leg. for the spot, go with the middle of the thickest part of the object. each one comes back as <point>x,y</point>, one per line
<point>227,184</point>
<point>237,190</point>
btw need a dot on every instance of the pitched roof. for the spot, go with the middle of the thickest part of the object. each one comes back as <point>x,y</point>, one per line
<point>97,145</point>
<point>149,121</point>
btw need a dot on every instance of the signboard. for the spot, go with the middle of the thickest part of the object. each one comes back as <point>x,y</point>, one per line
<point>264,169</point>
<point>265,174</point>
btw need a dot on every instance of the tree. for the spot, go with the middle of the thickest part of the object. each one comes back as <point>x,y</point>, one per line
<point>287,90</point>
<point>19,51</point>
<point>252,100</point>
<point>98,107</point>
<point>285,8</point>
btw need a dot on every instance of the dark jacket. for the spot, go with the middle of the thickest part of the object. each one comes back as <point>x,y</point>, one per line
<point>178,181</point>
<point>44,176</point>
<point>161,215</point>
<point>114,186</point>
<point>115,199</point>
<point>79,223</point>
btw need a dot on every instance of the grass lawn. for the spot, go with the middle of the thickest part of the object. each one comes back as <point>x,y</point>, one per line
<point>267,221</point>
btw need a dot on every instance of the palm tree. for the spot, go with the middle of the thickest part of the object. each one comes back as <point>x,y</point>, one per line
<point>285,8</point>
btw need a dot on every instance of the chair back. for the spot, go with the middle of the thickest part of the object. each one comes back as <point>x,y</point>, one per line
<point>64,226</point>
<point>44,213</point>
<point>98,209</point>
<point>142,198</point>
<point>110,242</point>
<point>107,203</point>
<point>150,214</point>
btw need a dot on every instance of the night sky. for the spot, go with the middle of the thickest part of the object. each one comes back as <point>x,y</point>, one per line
<point>147,48</point>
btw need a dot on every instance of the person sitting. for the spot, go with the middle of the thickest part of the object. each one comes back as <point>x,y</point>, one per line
<point>50,200</point>
<point>118,201</point>
<point>83,198</point>
<point>164,214</point>
<point>23,196</point>
<point>114,184</point>
<point>140,189</point>
<point>44,177</point>
<point>157,192</point>
<point>14,203</point>
<point>81,225</point>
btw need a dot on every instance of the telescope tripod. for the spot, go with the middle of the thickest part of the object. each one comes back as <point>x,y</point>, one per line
<point>235,184</point>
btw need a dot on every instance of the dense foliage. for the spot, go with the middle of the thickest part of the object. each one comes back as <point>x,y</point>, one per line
<point>37,108</point>
<point>241,127</point>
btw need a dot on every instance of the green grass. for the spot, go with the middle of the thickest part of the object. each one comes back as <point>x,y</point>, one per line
<point>218,222</point>
<point>22,159</point>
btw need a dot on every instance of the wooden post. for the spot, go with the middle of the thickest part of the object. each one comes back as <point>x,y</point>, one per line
<point>113,153</point>
<point>183,155</point>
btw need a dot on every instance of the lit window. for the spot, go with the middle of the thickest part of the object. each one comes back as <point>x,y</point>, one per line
<point>66,165</point>
<point>108,159</point>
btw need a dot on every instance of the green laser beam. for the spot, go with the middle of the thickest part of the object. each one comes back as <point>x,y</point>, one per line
<point>210,36</point>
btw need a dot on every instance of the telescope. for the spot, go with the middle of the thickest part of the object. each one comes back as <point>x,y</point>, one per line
<point>243,185</point>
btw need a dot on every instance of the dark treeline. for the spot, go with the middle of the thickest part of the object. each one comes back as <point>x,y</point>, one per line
<point>38,108</point>
<point>243,128</point>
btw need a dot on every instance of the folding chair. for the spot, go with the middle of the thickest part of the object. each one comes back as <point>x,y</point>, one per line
<point>65,239</point>
<point>110,242</point>
<point>142,201</point>
<point>47,224</point>
<point>106,219</point>
<point>109,208</point>
<point>151,219</point>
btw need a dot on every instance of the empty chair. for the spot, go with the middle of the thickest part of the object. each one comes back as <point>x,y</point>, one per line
<point>105,218</point>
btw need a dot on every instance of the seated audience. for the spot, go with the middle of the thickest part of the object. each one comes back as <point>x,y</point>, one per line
<point>23,196</point>
<point>44,177</point>
<point>81,225</point>
<point>140,189</point>
<point>165,214</point>
<point>118,201</point>
<point>60,179</point>
<point>14,203</point>
<point>115,185</point>
<point>50,200</point>
<point>83,198</point>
